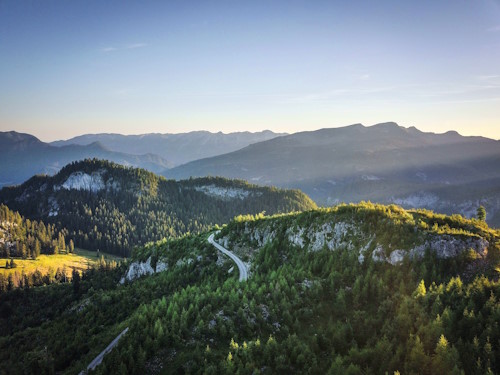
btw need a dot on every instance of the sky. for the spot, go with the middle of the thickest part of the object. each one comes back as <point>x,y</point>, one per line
<point>132,67</point>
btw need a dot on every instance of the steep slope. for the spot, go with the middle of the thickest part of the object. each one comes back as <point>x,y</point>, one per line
<point>383,233</point>
<point>323,296</point>
<point>177,148</point>
<point>113,208</point>
<point>24,155</point>
<point>25,239</point>
<point>384,163</point>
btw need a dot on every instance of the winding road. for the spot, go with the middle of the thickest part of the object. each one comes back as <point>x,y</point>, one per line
<point>242,267</point>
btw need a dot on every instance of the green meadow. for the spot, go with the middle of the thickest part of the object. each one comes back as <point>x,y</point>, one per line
<point>81,259</point>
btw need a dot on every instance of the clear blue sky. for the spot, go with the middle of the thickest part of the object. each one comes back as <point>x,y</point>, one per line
<point>73,67</point>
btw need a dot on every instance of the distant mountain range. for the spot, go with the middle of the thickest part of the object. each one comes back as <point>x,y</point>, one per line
<point>23,155</point>
<point>385,163</point>
<point>176,148</point>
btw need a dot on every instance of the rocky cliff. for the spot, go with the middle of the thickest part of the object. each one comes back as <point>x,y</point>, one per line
<point>384,233</point>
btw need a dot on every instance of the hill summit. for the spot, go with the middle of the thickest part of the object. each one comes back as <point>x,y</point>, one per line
<point>110,207</point>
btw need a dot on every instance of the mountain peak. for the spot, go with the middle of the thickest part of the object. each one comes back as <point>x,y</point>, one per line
<point>387,126</point>
<point>13,140</point>
<point>383,163</point>
<point>98,145</point>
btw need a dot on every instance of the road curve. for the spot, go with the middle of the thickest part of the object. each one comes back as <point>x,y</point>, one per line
<point>97,360</point>
<point>243,276</point>
<point>241,266</point>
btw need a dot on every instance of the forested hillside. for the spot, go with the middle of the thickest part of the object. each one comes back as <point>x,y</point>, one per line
<point>28,239</point>
<point>113,208</point>
<point>33,253</point>
<point>23,240</point>
<point>356,289</point>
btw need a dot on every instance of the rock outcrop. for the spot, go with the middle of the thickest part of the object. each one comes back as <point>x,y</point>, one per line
<point>446,246</point>
<point>349,235</point>
<point>138,269</point>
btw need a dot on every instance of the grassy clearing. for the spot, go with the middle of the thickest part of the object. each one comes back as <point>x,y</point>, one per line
<point>92,255</point>
<point>80,259</point>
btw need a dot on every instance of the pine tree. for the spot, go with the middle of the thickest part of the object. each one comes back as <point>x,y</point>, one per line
<point>481,213</point>
<point>37,249</point>
<point>10,282</point>
<point>421,290</point>
<point>61,243</point>
<point>75,280</point>
<point>446,358</point>
<point>59,275</point>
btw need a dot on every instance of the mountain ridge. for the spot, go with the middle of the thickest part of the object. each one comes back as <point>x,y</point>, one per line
<point>381,163</point>
<point>24,155</point>
<point>178,148</point>
<point>113,208</point>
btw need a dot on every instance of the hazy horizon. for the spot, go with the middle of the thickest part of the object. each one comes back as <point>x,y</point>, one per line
<point>44,139</point>
<point>70,68</point>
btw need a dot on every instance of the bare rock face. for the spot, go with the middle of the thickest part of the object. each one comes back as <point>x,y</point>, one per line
<point>340,234</point>
<point>224,193</point>
<point>333,237</point>
<point>319,237</point>
<point>396,257</point>
<point>84,181</point>
<point>138,269</point>
<point>263,236</point>
<point>447,246</point>
<point>349,235</point>
<point>296,238</point>
<point>444,246</point>
<point>161,266</point>
<point>378,254</point>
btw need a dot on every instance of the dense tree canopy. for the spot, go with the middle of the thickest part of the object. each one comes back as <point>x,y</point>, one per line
<point>301,311</point>
<point>24,238</point>
<point>135,206</point>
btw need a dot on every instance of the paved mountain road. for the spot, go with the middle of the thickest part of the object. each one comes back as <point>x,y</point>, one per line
<point>97,360</point>
<point>241,266</point>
